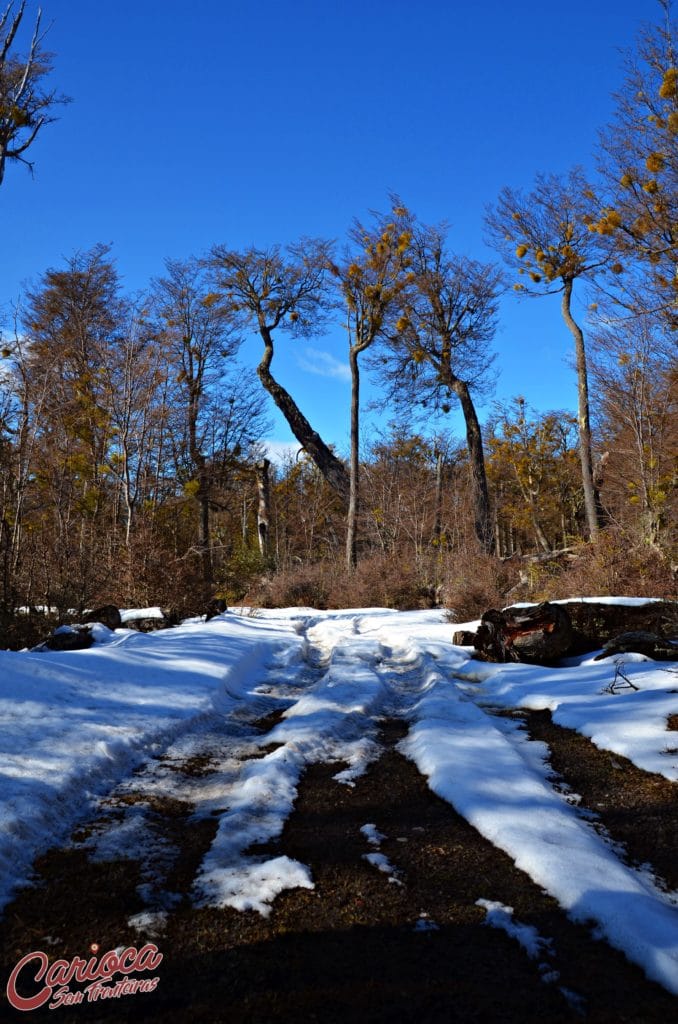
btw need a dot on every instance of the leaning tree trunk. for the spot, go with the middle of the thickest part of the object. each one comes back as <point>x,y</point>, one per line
<point>474,440</point>
<point>331,468</point>
<point>583,416</point>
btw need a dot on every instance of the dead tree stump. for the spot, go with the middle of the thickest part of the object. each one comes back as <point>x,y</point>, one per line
<point>544,633</point>
<point>539,635</point>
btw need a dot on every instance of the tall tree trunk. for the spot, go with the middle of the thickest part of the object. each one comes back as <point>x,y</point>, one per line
<point>583,416</point>
<point>331,468</point>
<point>203,492</point>
<point>205,539</point>
<point>354,468</point>
<point>438,512</point>
<point>264,508</point>
<point>540,536</point>
<point>474,441</point>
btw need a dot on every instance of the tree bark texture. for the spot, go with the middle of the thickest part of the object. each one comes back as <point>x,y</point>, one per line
<point>264,507</point>
<point>474,439</point>
<point>583,415</point>
<point>332,468</point>
<point>538,635</point>
<point>354,468</point>
<point>542,634</point>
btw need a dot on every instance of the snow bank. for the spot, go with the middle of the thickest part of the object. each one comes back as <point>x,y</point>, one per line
<point>73,723</point>
<point>488,776</point>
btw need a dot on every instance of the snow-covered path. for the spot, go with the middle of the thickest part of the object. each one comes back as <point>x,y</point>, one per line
<point>75,726</point>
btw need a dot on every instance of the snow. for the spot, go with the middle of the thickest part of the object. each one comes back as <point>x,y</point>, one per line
<point>372,834</point>
<point>498,915</point>
<point>253,886</point>
<point>73,726</point>
<point>131,614</point>
<point>381,862</point>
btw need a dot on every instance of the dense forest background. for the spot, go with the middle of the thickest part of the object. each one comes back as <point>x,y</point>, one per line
<point>132,451</point>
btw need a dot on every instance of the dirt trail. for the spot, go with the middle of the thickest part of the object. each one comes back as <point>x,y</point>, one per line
<point>363,945</point>
<point>357,947</point>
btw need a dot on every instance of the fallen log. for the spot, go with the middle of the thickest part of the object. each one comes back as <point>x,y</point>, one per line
<point>67,638</point>
<point>594,623</point>
<point>107,614</point>
<point>539,635</point>
<point>641,642</point>
<point>543,634</point>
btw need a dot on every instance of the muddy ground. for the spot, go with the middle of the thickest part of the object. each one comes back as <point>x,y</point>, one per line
<point>360,947</point>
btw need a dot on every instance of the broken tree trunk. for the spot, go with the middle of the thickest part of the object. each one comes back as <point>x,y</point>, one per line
<point>331,468</point>
<point>544,633</point>
<point>539,635</point>
<point>596,622</point>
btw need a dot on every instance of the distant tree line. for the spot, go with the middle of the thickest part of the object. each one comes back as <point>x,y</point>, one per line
<point>131,436</point>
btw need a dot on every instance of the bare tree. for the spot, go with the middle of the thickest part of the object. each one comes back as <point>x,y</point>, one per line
<point>550,237</point>
<point>271,290</point>
<point>634,367</point>
<point>371,279</point>
<point>638,161</point>
<point>199,335</point>
<point>25,104</point>
<point>440,348</point>
<point>264,504</point>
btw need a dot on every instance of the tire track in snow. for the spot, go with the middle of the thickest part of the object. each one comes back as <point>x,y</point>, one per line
<point>495,777</point>
<point>193,779</point>
<point>239,771</point>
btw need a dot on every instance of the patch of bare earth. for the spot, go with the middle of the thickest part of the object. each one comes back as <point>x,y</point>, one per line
<point>637,809</point>
<point>357,947</point>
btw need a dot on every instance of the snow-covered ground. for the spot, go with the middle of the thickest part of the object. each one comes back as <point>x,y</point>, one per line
<point>73,725</point>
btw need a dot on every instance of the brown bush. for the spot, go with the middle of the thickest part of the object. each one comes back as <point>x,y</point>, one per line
<point>304,587</point>
<point>469,583</point>
<point>25,629</point>
<point>610,567</point>
<point>379,581</point>
<point>475,582</point>
<point>382,582</point>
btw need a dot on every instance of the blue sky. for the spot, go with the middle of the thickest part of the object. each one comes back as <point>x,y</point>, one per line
<point>258,122</point>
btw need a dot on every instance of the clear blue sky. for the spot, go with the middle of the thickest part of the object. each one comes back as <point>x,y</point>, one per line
<point>260,121</point>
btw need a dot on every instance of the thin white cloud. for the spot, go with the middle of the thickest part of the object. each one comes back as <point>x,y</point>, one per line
<point>314,360</point>
<point>280,451</point>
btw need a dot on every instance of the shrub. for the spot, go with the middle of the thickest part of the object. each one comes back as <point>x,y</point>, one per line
<point>612,566</point>
<point>475,582</point>
<point>305,587</point>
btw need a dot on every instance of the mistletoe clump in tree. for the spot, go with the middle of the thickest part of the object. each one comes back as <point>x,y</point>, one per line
<point>25,104</point>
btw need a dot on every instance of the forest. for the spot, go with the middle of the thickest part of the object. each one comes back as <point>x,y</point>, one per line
<point>132,454</point>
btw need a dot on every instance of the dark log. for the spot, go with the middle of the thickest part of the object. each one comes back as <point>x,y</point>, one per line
<point>149,624</point>
<point>216,607</point>
<point>539,635</point>
<point>641,642</point>
<point>595,622</point>
<point>463,638</point>
<point>542,634</point>
<point>107,615</point>
<point>71,638</point>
